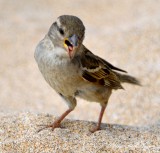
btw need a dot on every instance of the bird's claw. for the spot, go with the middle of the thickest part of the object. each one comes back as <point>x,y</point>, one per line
<point>94,129</point>
<point>52,126</point>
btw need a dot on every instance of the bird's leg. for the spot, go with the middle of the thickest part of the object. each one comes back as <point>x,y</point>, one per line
<point>57,122</point>
<point>72,104</point>
<point>98,127</point>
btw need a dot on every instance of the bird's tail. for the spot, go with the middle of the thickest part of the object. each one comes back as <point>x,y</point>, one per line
<point>128,79</point>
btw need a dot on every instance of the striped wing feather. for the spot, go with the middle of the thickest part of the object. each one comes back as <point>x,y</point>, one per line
<point>94,69</point>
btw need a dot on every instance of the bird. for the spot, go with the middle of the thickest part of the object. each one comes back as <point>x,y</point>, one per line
<point>74,71</point>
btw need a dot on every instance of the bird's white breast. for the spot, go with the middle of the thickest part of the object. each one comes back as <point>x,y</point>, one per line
<point>56,67</point>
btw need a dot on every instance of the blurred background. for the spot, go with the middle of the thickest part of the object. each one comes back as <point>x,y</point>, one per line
<point>125,33</point>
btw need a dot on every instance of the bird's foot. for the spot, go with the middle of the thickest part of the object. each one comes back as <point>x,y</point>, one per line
<point>94,129</point>
<point>54,125</point>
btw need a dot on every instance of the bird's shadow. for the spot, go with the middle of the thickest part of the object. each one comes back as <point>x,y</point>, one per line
<point>81,126</point>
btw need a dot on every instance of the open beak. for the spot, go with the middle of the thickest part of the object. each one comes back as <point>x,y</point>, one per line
<point>70,44</point>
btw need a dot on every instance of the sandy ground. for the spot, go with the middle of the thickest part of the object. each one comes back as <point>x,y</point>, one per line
<point>18,134</point>
<point>126,33</point>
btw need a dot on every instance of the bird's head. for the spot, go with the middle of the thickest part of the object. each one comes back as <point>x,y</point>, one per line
<point>68,33</point>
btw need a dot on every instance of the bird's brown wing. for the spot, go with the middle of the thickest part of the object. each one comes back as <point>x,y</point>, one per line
<point>94,69</point>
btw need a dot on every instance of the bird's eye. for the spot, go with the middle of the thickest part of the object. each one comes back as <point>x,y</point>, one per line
<point>61,31</point>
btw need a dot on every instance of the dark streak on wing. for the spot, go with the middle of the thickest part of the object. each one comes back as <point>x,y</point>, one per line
<point>88,77</point>
<point>113,67</point>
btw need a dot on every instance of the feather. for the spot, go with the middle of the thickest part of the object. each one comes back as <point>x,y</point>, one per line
<point>95,69</point>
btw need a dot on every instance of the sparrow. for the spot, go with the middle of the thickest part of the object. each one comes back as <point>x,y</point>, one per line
<point>73,71</point>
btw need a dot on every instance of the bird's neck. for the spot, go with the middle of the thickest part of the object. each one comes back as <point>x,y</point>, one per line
<point>79,50</point>
<point>52,38</point>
